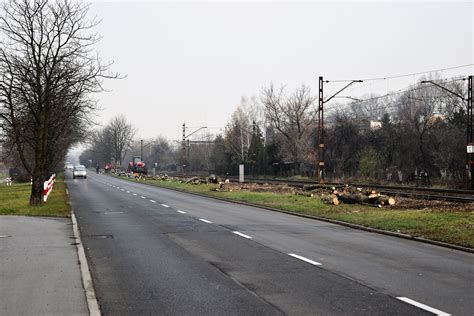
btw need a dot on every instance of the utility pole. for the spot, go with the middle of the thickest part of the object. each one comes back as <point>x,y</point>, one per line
<point>470,140</point>
<point>469,134</point>
<point>141,150</point>
<point>321,132</point>
<point>183,149</point>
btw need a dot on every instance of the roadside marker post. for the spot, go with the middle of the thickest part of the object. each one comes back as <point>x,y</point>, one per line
<point>48,187</point>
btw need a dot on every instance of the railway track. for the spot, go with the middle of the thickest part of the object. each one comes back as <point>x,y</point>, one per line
<point>463,196</point>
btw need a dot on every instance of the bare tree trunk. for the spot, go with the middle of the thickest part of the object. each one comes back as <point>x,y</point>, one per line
<point>36,196</point>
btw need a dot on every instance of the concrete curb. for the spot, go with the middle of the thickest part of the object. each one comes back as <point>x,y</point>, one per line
<point>333,221</point>
<point>91,298</point>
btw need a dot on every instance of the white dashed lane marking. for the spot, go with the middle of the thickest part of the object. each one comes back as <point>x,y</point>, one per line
<point>109,213</point>
<point>143,197</point>
<point>242,235</point>
<point>182,212</point>
<point>304,259</point>
<point>134,194</point>
<point>205,221</point>
<point>164,205</point>
<point>423,306</point>
<point>128,191</point>
<point>152,201</point>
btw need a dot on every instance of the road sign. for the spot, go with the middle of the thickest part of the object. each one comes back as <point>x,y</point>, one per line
<point>470,149</point>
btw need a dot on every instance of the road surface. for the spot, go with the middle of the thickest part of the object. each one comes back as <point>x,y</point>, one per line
<point>153,250</point>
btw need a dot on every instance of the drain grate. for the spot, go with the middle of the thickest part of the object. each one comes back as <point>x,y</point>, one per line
<point>99,236</point>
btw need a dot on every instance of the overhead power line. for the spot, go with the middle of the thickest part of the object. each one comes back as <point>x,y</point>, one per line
<point>405,75</point>
<point>401,91</point>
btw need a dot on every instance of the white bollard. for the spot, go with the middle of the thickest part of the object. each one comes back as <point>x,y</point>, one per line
<point>9,181</point>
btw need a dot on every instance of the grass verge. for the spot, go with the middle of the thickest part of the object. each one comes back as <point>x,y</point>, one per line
<point>454,227</point>
<point>14,200</point>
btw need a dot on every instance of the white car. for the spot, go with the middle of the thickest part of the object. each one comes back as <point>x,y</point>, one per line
<point>79,171</point>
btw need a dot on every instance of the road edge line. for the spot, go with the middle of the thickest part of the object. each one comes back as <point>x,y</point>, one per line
<point>91,298</point>
<point>323,219</point>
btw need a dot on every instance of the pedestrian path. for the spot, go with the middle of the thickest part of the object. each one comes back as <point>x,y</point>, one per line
<point>39,269</point>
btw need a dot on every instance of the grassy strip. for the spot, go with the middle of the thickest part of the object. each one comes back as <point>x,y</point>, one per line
<point>454,227</point>
<point>14,200</point>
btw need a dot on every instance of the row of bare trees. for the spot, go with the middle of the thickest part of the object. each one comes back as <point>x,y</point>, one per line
<point>48,72</point>
<point>415,133</point>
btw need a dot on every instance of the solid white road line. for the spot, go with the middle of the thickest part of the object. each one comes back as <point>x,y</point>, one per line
<point>242,235</point>
<point>182,212</point>
<point>304,259</point>
<point>152,201</point>
<point>164,205</point>
<point>91,298</point>
<point>205,221</point>
<point>423,306</point>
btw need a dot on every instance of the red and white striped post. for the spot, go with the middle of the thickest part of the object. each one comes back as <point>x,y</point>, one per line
<point>48,187</point>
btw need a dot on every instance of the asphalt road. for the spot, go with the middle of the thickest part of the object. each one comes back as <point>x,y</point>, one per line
<point>153,250</point>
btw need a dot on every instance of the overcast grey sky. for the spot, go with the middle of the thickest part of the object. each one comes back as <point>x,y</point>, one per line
<point>192,61</point>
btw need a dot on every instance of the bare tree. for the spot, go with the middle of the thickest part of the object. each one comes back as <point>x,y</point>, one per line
<point>48,71</point>
<point>292,116</point>
<point>121,134</point>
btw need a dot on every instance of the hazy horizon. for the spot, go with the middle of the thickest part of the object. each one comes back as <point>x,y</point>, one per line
<point>193,61</point>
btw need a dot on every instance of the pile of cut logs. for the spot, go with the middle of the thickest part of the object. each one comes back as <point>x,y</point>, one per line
<point>199,180</point>
<point>352,195</point>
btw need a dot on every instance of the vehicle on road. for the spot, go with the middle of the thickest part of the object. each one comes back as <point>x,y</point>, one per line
<point>79,171</point>
<point>137,166</point>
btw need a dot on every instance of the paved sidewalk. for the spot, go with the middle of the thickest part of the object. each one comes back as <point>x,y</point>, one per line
<point>39,268</point>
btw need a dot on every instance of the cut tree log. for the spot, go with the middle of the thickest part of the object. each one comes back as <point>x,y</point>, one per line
<point>353,198</point>
<point>382,200</point>
<point>330,199</point>
<point>196,180</point>
<point>360,198</point>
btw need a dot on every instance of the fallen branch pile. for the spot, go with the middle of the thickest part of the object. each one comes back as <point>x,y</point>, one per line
<point>351,195</point>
